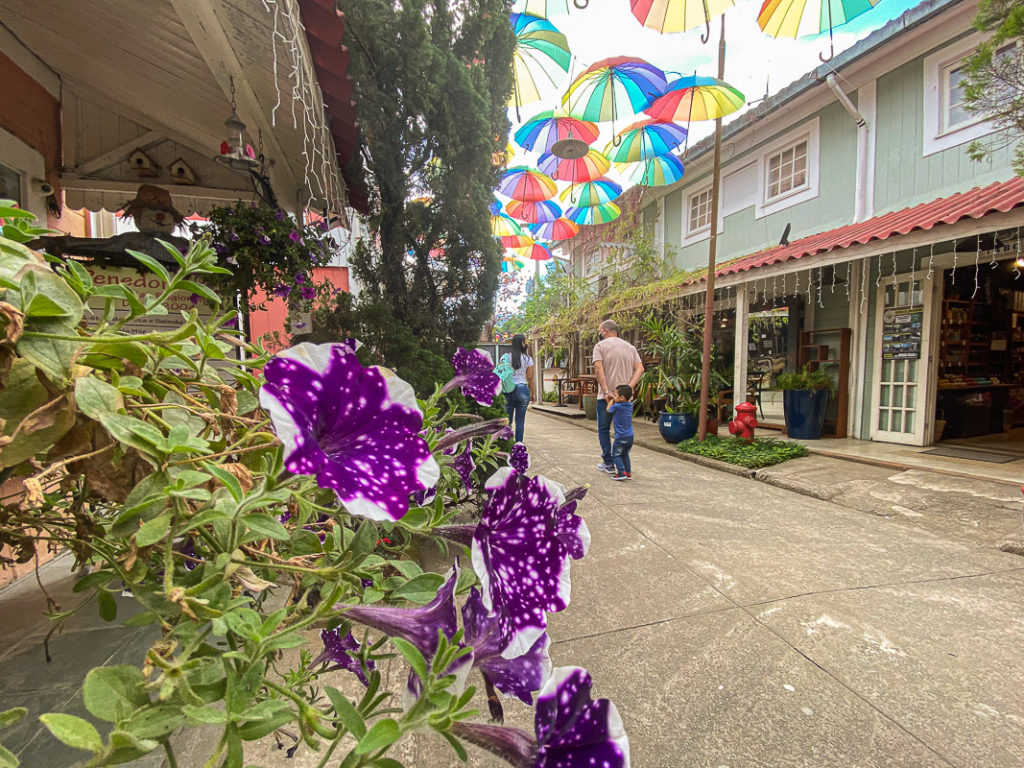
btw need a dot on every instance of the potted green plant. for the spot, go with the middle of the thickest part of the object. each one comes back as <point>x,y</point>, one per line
<point>805,396</point>
<point>673,380</point>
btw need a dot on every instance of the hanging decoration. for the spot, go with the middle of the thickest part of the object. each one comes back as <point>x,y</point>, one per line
<point>591,192</point>
<point>541,212</point>
<point>952,277</point>
<point>546,8</point>
<point>802,18</point>
<point>931,260</point>
<point>526,185</point>
<point>645,139</point>
<point>613,88</point>
<point>541,53</point>
<point>591,166</point>
<point>556,133</point>
<point>534,251</point>
<point>667,16</point>
<point>656,172</point>
<point>508,231</point>
<point>594,214</point>
<point>691,98</point>
<point>977,267</point>
<point>560,229</point>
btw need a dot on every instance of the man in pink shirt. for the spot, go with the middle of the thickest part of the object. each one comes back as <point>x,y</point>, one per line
<point>616,362</point>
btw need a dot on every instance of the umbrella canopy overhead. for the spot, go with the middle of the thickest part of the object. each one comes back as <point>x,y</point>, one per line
<point>656,172</point>
<point>527,184</point>
<point>543,130</point>
<point>693,98</point>
<point>666,16</point>
<point>541,54</point>
<point>560,229</point>
<point>534,251</point>
<point>508,232</point>
<point>592,165</point>
<point>799,18</point>
<point>540,212</point>
<point>542,8</point>
<point>645,139</point>
<point>614,88</point>
<point>594,214</point>
<point>591,193</point>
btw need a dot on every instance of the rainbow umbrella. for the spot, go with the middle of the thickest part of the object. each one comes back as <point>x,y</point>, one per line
<point>508,232</point>
<point>591,193</point>
<point>645,139</point>
<point>534,251</point>
<point>678,15</point>
<point>656,172</point>
<point>799,18</point>
<point>526,184</point>
<point>511,264</point>
<point>613,88</point>
<point>559,229</point>
<point>592,165</point>
<point>540,212</point>
<point>541,53</point>
<point>594,214</point>
<point>545,8</point>
<point>695,98</point>
<point>543,130</point>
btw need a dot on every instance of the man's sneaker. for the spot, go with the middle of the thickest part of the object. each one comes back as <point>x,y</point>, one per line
<point>609,468</point>
<point>620,477</point>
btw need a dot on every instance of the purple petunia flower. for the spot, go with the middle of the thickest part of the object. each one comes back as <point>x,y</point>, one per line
<point>282,291</point>
<point>571,730</point>
<point>220,249</point>
<point>355,428</point>
<point>308,292</point>
<point>518,677</point>
<point>505,433</point>
<point>324,226</point>
<point>339,650</point>
<point>194,299</point>
<point>519,459</point>
<point>300,279</point>
<point>279,214</point>
<point>520,557</point>
<point>263,240</point>
<point>465,465</point>
<point>294,236</point>
<point>474,372</point>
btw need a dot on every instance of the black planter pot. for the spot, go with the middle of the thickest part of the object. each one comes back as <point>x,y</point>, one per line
<point>676,427</point>
<point>805,412</point>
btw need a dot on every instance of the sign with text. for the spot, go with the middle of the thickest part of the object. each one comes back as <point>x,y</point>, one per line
<point>901,333</point>
<point>143,284</point>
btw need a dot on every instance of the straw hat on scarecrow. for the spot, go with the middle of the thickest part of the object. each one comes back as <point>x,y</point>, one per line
<point>152,210</point>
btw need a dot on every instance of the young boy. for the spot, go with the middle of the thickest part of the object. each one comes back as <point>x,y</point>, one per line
<point>621,412</point>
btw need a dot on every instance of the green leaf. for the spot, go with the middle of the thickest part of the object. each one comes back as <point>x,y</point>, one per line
<point>132,432</point>
<point>154,530</point>
<point>412,655</point>
<point>73,731</point>
<point>420,590</point>
<point>110,693</point>
<point>408,568</point>
<point>227,479</point>
<point>7,758</point>
<point>96,397</point>
<point>383,733</point>
<point>207,715</point>
<point>156,721</point>
<point>387,762</point>
<point>107,605</point>
<point>152,264</point>
<point>202,290</point>
<point>267,526</point>
<point>11,716</point>
<point>52,356</point>
<point>347,713</point>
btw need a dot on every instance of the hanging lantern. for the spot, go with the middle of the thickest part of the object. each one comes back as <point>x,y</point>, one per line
<point>235,151</point>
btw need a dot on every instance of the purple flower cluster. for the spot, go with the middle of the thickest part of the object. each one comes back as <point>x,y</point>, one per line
<point>474,372</point>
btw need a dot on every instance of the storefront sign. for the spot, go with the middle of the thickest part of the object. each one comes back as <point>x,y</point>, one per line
<point>901,333</point>
<point>142,284</point>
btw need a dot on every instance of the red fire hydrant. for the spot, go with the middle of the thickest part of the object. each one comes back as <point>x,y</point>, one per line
<point>745,421</point>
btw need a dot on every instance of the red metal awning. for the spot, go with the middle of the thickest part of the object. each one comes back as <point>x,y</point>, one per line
<point>999,197</point>
<point>325,26</point>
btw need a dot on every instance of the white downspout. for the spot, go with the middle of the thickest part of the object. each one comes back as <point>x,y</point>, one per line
<point>860,201</point>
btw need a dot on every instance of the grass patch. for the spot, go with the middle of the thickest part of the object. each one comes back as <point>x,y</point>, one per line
<point>753,455</point>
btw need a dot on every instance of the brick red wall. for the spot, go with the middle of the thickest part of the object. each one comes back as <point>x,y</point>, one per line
<point>31,114</point>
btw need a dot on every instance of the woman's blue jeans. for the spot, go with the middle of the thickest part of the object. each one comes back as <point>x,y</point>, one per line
<point>516,403</point>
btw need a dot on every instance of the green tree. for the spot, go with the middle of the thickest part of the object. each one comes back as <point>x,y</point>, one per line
<point>994,77</point>
<point>432,78</point>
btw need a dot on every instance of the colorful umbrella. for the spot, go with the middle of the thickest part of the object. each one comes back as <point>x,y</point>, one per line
<point>534,251</point>
<point>542,131</point>
<point>591,193</point>
<point>678,15</point>
<point>545,8</point>
<point>560,229</point>
<point>508,232</point>
<point>592,165</point>
<point>696,98</point>
<point>540,212</point>
<point>656,172</point>
<point>511,264</point>
<point>541,53</point>
<point>594,214</point>
<point>526,184</point>
<point>645,139</point>
<point>613,88</point>
<point>798,18</point>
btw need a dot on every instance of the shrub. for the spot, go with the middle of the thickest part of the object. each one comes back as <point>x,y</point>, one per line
<point>752,455</point>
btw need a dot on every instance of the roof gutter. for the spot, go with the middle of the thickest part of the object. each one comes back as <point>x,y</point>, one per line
<point>860,199</point>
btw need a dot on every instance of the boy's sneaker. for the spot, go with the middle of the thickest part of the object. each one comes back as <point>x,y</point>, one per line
<point>629,475</point>
<point>609,468</point>
<point>620,477</point>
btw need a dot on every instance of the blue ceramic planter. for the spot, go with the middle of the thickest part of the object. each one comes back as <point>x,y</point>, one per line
<point>805,412</point>
<point>676,427</point>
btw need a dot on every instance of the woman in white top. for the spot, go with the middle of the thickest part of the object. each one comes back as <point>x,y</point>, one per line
<point>517,401</point>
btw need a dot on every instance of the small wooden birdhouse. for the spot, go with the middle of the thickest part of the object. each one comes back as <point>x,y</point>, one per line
<point>181,172</point>
<point>141,163</point>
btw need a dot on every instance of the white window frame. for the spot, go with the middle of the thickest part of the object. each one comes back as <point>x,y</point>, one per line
<point>691,200</point>
<point>938,136</point>
<point>29,163</point>
<point>809,132</point>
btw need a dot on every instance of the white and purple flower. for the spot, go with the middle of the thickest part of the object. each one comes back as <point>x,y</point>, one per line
<point>474,372</point>
<point>519,458</point>
<point>355,428</point>
<point>570,729</point>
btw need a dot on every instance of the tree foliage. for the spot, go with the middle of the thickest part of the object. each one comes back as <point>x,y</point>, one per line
<point>432,78</point>
<point>994,77</point>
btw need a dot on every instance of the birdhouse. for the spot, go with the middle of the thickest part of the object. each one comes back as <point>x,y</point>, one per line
<point>142,164</point>
<point>181,172</point>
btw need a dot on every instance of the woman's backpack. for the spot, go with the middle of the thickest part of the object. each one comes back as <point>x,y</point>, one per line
<point>506,374</point>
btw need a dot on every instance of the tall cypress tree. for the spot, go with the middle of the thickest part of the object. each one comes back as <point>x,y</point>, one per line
<point>432,78</point>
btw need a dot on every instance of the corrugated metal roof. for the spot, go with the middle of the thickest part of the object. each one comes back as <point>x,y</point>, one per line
<point>999,197</point>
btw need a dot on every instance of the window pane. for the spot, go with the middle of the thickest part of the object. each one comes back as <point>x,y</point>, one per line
<point>887,370</point>
<point>883,420</point>
<point>897,395</point>
<point>912,370</point>
<point>898,367</point>
<point>908,421</point>
<point>897,421</point>
<point>911,397</point>
<point>883,398</point>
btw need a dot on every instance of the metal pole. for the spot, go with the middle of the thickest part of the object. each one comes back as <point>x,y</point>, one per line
<point>709,297</point>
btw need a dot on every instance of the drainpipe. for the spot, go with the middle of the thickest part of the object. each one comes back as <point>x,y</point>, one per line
<point>860,203</point>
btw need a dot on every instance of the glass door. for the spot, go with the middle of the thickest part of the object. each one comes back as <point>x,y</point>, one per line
<point>901,361</point>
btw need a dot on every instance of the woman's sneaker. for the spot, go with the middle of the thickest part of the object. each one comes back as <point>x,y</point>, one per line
<point>609,468</point>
